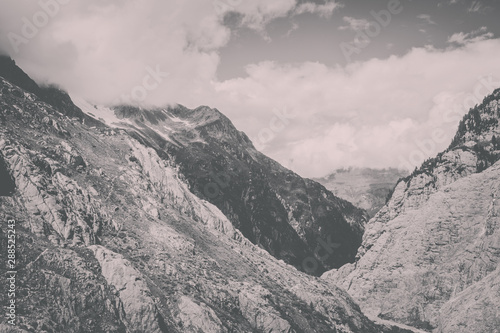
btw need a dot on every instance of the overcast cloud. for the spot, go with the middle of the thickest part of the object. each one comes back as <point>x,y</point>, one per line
<point>373,112</point>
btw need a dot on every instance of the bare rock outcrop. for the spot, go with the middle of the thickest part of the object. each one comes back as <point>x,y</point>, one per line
<point>256,309</point>
<point>194,317</point>
<point>476,309</point>
<point>137,308</point>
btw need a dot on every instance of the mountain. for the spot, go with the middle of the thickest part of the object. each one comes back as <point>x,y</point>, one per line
<point>116,233</point>
<point>273,207</point>
<point>365,187</point>
<point>57,98</point>
<point>430,257</point>
<point>288,216</point>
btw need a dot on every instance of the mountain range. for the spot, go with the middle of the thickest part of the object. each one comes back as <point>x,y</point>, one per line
<point>163,220</point>
<point>366,188</point>
<point>133,219</point>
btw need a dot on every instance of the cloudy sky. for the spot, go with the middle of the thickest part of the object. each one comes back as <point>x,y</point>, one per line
<point>317,85</point>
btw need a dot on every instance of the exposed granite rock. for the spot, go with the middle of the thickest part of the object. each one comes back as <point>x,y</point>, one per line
<point>57,289</point>
<point>256,309</point>
<point>53,200</point>
<point>425,256</point>
<point>137,308</point>
<point>198,317</point>
<point>476,309</point>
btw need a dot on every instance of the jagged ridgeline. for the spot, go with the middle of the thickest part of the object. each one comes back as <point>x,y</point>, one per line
<point>116,231</point>
<point>477,134</point>
<point>273,207</point>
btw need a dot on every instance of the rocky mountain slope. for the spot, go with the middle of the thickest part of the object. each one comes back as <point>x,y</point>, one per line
<point>112,238</point>
<point>290,217</point>
<point>273,207</point>
<point>366,188</point>
<point>430,257</point>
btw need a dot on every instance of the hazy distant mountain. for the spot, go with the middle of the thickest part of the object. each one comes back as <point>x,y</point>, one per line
<point>430,257</point>
<point>365,187</point>
<point>115,231</point>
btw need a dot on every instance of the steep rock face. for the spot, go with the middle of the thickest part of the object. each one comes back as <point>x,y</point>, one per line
<point>57,289</point>
<point>476,309</point>
<point>198,317</point>
<point>138,308</point>
<point>7,183</point>
<point>54,200</point>
<point>438,235</point>
<point>474,149</point>
<point>110,239</point>
<point>256,309</point>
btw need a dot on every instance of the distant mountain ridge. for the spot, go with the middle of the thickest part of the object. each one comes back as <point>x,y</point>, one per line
<point>366,188</point>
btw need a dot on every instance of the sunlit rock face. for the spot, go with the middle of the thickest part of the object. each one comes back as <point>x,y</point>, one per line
<point>113,235</point>
<point>429,256</point>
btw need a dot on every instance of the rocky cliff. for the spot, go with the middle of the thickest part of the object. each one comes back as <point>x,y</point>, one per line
<point>429,258</point>
<point>111,236</point>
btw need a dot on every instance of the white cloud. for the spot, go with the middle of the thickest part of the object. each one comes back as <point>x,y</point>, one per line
<point>354,24</point>
<point>375,113</point>
<point>103,49</point>
<point>324,10</point>
<point>366,114</point>
<point>113,42</point>
<point>461,38</point>
<point>257,14</point>
<point>476,7</point>
<point>294,27</point>
<point>426,18</point>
